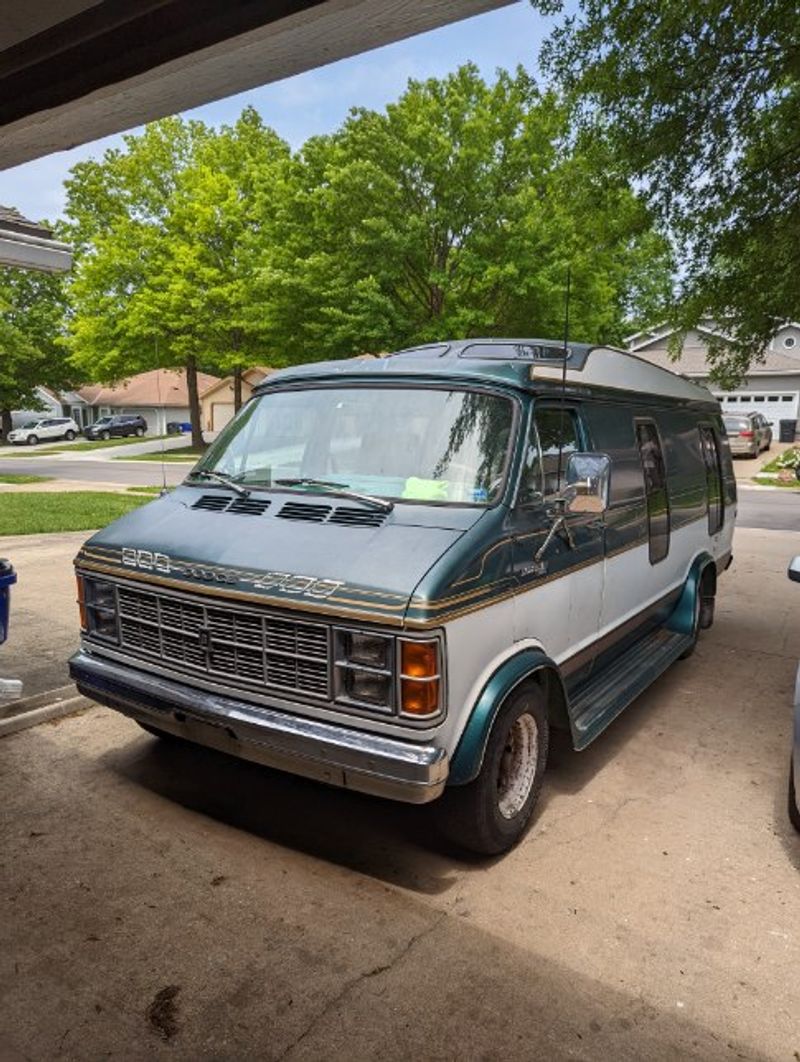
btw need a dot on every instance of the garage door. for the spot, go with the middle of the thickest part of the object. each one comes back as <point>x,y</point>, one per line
<point>221,413</point>
<point>775,405</point>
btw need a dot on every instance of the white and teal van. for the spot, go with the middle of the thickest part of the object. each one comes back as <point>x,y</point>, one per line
<point>398,574</point>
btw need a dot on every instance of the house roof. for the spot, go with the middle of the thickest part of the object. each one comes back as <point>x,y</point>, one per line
<point>254,376</point>
<point>159,387</point>
<point>693,362</point>
<point>693,358</point>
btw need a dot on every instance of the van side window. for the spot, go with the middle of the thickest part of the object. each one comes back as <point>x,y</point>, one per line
<point>558,430</point>
<point>655,488</point>
<point>709,447</point>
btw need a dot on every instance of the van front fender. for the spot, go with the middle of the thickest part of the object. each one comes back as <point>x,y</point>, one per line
<point>468,757</point>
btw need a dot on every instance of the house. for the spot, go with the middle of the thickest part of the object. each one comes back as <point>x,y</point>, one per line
<point>216,402</point>
<point>771,387</point>
<point>160,396</point>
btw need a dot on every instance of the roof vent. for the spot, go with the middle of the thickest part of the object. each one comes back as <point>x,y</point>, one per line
<point>314,514</point>
<point>213,503</point>
<point>249,506</point>
<point>357,517</point>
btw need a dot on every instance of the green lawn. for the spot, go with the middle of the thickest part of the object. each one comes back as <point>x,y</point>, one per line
<point>145,490</point>
<point>183,453</point>
<point>30,513</point>
<point>22,477</point>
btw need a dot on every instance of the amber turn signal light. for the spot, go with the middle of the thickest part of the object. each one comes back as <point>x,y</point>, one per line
<point>419,698</point>
<point>82,602</point>
<point>419,659</point>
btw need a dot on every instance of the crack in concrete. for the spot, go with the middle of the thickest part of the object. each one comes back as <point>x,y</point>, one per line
<point>352,984</point>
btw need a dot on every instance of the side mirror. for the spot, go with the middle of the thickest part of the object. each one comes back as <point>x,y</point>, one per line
<point>794,570</point>
<point>587,481</point>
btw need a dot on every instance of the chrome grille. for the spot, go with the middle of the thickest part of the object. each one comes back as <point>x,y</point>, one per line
<point>246,648</point>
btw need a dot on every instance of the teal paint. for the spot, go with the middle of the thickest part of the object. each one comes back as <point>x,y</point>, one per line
<point>468,757</point>
<point>682,619</point>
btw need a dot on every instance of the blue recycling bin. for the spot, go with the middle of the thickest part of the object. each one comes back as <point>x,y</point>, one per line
<point>7,579</point>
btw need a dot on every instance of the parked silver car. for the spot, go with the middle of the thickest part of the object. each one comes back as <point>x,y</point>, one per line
<point>794,764</point>
<point>748,433</point>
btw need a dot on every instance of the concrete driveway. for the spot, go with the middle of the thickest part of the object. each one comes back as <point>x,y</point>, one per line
<point>162,901</point>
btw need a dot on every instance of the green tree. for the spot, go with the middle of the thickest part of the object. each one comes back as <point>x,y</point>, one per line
<point>701,103</point>
<point>170,235</point>
<point>33,308</point>
<point>457,212</point>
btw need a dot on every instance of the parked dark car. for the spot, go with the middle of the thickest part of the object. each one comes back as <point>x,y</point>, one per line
<point>748,433</point>
<point>116,427</point>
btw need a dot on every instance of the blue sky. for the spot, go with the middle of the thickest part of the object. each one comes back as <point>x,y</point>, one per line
<point>317,101</point>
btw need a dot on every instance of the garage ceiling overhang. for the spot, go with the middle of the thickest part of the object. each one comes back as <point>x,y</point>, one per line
<point>72,71</point>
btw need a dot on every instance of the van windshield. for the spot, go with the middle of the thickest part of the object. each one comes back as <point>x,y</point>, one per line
<point>399,443</point>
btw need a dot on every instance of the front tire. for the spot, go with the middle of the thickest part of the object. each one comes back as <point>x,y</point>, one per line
<point>794,813</point>
<point>105,435</point>
<point>33,440</point>
<point>490,814</point>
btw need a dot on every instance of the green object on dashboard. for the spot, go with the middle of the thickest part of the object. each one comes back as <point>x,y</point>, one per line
<point>426,489</point>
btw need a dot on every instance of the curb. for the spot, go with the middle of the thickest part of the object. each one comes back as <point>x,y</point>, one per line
<point>30,711</point>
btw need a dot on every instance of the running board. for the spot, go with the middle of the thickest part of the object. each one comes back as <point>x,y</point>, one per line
<point>603,697</point>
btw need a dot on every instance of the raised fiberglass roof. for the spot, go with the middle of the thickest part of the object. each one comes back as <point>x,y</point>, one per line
<point>518,362</point>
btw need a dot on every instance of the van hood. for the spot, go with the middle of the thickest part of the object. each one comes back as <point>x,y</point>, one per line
<point>359,572</point>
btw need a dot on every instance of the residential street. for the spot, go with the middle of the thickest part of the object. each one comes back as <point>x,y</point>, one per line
<point>651,912</point>
<point>770,508</point>
<point>98,466</point>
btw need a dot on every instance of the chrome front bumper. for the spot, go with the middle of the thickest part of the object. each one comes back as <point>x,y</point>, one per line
<point>353,759</point>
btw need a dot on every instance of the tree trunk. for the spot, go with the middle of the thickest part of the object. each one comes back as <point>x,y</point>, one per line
<point>237,388</point>
<point>194,404</point>
<point>5,423</point>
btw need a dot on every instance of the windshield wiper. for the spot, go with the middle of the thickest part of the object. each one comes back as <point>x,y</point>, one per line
<point>226,481</point>
<point>337,489</point>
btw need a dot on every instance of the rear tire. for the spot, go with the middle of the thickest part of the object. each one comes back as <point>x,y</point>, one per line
<point>490,814</point>
<point>139,433</point>
<point>69,436</point>
<point>704,602</point>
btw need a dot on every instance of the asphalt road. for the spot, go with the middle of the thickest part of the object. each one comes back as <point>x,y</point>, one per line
<point>124,473</point>
<point>772,509</point>
<point>164,902</point>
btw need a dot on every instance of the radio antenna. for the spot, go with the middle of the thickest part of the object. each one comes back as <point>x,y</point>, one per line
<point>161,416</point>
<point>567,294</point>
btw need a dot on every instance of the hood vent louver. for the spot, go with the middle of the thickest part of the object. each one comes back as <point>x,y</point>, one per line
<point>346,517</point>
<point>249,506</point>
<point>212,503</point>
<point>314,514</point>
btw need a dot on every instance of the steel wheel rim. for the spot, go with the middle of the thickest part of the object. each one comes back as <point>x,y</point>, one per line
<point>518,766</point>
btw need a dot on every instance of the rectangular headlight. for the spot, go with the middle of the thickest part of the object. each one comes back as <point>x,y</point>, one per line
<point>98,603</point>
<point>365,669</point>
